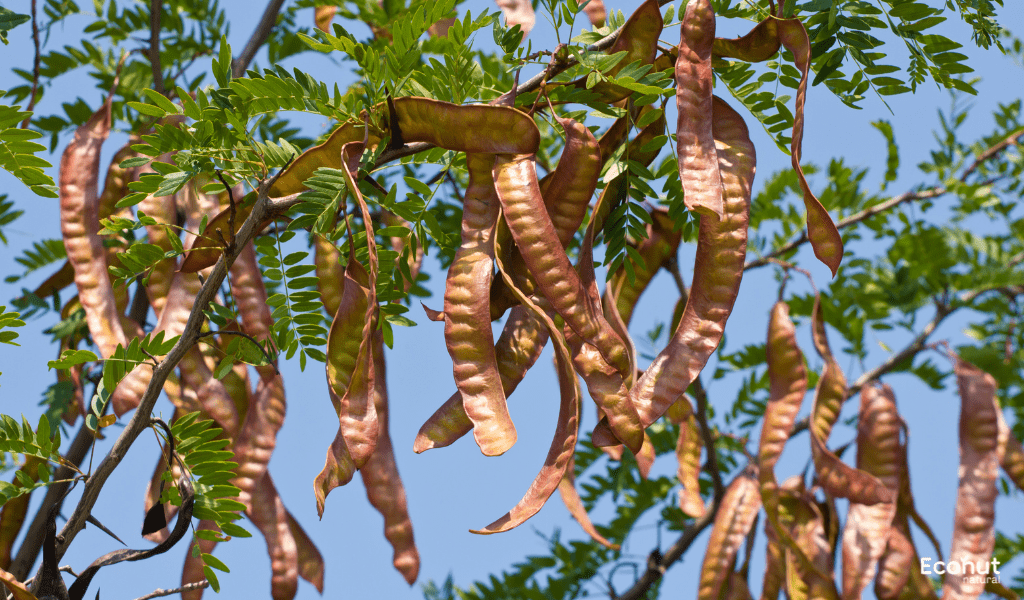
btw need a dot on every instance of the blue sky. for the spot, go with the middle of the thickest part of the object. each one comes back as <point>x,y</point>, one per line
<point>455,489</point>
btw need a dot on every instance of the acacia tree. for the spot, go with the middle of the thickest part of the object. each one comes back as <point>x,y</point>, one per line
<point>195,212</point>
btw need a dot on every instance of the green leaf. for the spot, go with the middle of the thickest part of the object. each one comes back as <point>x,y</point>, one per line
<point>70,358</point>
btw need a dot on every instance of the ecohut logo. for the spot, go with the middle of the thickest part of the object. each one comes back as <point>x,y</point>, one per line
<point>972,572</point>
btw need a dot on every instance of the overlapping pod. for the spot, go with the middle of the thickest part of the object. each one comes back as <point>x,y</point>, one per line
<point>79,216</point>
<point>573,502</point>
<point>473,128</point>
<point>563,444</point>
<point>192,571</point>
<point>268,514</point>
<point>1011,453</point>
<point>639,40</point>
<point>879,453</point>
<point>384,487</point>
<point>788,379</point>
<point>698,160</point>
<point>467,318</point>
<point>895,565</point>
<point>311,562</point>
<point>809,579</point>
<point>12,517</point>
<point>518,12</point>
<point>974,520</point>
<point>327,154</point>
<point>164,209</point>
<point>688,450</point>
<point>718,269</point>
<point>735,517</point>
<point>595,11</point>
<point>835,477</point>
<point>662,244</point>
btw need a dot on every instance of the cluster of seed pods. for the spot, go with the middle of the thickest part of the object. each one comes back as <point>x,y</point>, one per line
<point>513,260</point>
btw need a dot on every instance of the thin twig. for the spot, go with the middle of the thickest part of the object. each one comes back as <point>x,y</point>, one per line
<point>35,68</point>
<point>709,440</point>
<point>188,587</point>
<point>156,9</point>
<point>259,36</point>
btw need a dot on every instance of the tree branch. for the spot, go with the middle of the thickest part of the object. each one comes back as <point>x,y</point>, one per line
<point>709,440</point>
<point>262,209</point>
<point>35,68</point>
<point>156,9</point>
<point>188,587</point>
<point>258,38</point>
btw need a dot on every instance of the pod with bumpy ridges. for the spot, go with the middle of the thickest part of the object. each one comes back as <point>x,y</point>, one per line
<point>739,509</point>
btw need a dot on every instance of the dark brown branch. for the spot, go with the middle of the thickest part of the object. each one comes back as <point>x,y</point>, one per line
<point>188,587</point>
<point>29,550</point>
<point>701,414</point>
<point>35,68</point>
<point>156,9</point>
<point>258,38</point>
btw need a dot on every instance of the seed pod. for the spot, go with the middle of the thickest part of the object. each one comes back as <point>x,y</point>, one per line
<point>639,40</point>
<point>268,514</point>
<point>518,12</point>
<point>79,211</point>
<point>384,487</point>
<point>323,16</point>
<point>563,445</point>
<point>164,210</point>
<point>879,454</point>
<point>895,566</point>
<point>974,520</point>
<point>473,128</point>
<point>822,232</point>
<point>662,244</point>
<point>467,314</point>
<point>330,273</point>
<point>760,44</point>
<point>774,565</point>
<point>718,268</point>
<point>12,516</point>
<point>736,516</point>
<point>788,378</point>
<point>573,502</point>
<point>595,11</point>
<point>1011,453</point>
<point>835,477</point>
<point>688,449</point>
<point>328,154</point>
<point>311,562</point>
<point>806,580</point>
<point>698,160</point>
<point>192,572</point>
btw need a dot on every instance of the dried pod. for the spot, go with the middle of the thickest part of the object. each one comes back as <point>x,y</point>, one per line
<point>835,477</point>
<point>895,565</point>
<point>721,249</point>
<point>323,16</point>
<point>1011,453</point>
<point>467,314</point>
<point>974,520</point>
<point>735,517</point>
<point>879,453</point>
<point>595,11</point>
<point>661,245</point>
<point>311,562</point>
<point>473,128</point>
<point>809,579</point>
<point>688,450</point>
<point>268,514</point>
<point>698,160</point>
<point>165,210</point>
<point>384,487</point>
<point>518,12</point>
<point>192,571</point>
<point>12,517</point>
<point>573,502</point>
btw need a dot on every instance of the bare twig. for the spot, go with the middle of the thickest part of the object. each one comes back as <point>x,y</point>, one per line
<point>259,36</point>
<point>701,414</point>
<point>1010,140</point>
<point>35,68</point>
<point>156,9</point>
<point>188,587</point>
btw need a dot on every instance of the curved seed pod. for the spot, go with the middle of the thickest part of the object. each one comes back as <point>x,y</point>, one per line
<point>595,11</point>
<point>757,46</point>
<point>257,438</point>
<point>573,502</point>
<point>329,272</point>
<point>518,12</point>
<point>327,154</point>
<point>822,232</point>
<point>974,520</point>
<point>61,279</point>
<point>895,566</point>
<point>639,39</point>
<point>736,516</point>
<point>204,250</point>
<point>698,160</point>
<point>688,449</point>
<point>384,487</point>
<point>476,128</point>
<point>467,328</point>
<point>164,210</point>
<point>518,347</point>
<point>613,137</point>
<point>338,468</point>
<point>268,514</point>
<point>718,268</point>
<point>879,454</point>
<point>1011,452</point>
<point>311,562</point>
<point>323,16</point>
<point>79,206</point>
<point>179,300</point>
<point>662,243</point>
<point>836,477</point>
<point>213,397</point>
<point>812,580</point>
<point>192,572</point>
<point>13,513</point>
<point>563,445</point>
<point>515,179</point>
<point>774,565</point>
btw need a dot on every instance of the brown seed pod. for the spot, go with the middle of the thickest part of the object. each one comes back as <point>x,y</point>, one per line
<point>323,16</point>
<point>698,160</point>
<point>12,516</point>
<point>79,211</point>
<point>384,487</point>
<point>974,520</point>
<point>595,11</point>
<point>563,445</point>
<point>735,517</point>
<point>164,209</point>
<point>467,314</point>
<point>1011,453</point>
<point>328,154</point>
<point>473,128</point>
<point>573,502</point>
<point>809,579</point>
<point>639,40</point>
<point>879,454</point>
<point>835,477</point>
<point>895,565</point>
<point>192,572</point>
<point>268,514</point>
<point>518,12</point>
<point>311,562</point>
<point>688,450</point>
<point>718,268</point>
